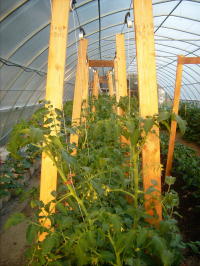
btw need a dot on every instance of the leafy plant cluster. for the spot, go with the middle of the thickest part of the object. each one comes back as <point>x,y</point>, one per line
<point>13,170</point>
<point>186,168</point>
<point>186,165</point>
<point>100,217</point>
<point>191,113</point>
<point>12,175</point>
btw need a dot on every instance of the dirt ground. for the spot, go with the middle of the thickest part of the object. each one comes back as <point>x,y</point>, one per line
<point>187,143</point>
<point>13,241</point>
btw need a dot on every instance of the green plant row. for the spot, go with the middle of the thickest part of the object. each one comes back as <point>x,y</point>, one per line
<point>186,165</point>
<point>100,217</point>
<point>13,171</point>
<point>191,113</point>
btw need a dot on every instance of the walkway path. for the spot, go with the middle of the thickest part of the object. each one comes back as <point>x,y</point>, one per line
<point>192,145</point>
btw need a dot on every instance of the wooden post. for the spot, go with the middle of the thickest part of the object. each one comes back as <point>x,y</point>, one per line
<point>101,63</point>
<point>175,108</point>
<point>78,90</point>
<point>110,83</point>
<point>54,92</point>
<point>116,79</point>
<point>121,65</point>
<point>148,99</point>
<point>121,89</point>
<point>85,89</point>
<point>95,90</point>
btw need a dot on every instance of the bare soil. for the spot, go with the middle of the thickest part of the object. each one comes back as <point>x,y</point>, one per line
<point>13,240</point>
<point>189,144</point>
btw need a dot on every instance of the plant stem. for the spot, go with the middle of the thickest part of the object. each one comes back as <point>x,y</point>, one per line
<point>117,254</point>
<point>134,155</point>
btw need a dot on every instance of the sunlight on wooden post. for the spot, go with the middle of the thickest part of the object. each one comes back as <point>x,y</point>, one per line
<point>116,78</point>
<point>110,83</point>
<point>78,90</point>
<point>95,89</point>
<point>121,67</point>
<point>148,99</point>
<point>85,89</point>
<point>121,90</point>
<point>54,93</point>
<point>175,108</point>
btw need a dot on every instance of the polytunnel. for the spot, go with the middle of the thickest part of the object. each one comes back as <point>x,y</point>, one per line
<point>24,48</point>
<point>99,132</point>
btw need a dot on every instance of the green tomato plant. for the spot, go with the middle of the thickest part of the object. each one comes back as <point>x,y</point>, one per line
<point>100,217</point>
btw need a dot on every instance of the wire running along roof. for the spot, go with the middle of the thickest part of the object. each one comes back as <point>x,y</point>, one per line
<point>24,35</point>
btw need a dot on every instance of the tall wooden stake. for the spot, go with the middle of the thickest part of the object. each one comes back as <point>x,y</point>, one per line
<point>54,92</point>
<point>79,85</point>
<point>85,90</point>
<point>148,99</point>
<point>121,65</point>
<point>110,83</point>
<point>177,93</point>
<point>121,89</point>
<point>95,90</point>
<point>116,78</point>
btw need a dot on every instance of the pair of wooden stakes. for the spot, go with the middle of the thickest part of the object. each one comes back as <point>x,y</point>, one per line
<point>147,84</point>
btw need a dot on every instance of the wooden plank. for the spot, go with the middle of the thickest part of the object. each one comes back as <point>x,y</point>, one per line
<point>54,93</point>
<point>121,64</point>
<point>188,60</point>
<point>103,80</point>
<point>121,88</point>
<point>148,99</point>
<point>95,89</point>
<point>116,79</point>
<point>101,63</point>
<point>78,90</point>
<point>110,83</point>
<point>175,108</point>
<point>85,90</point>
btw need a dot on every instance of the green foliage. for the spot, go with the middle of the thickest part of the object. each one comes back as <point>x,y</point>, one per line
<point>14,219</point>
<point>14,169</point>
<point>194,246</point>
<point>100,217</point>
<point>186,165</point>
<point>181,123</point>
<point>191,113</point>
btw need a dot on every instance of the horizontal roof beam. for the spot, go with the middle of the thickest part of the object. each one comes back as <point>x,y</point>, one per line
<point>101,63</point>
<point>189,60</point>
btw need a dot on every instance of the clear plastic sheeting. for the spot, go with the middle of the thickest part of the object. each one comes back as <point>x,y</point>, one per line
<point>24,33</point>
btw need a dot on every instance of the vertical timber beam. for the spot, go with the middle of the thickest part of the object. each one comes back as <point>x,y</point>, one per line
<point>148,99</point>
<point>85,89</point>
<point>177,93</point>
<point>95,89</point>
<point>54,92</point>
<point>116,79</point>
<point>78,90</point>
<point>121,74</point>
<point>110,83</point>
<point>121,66</point>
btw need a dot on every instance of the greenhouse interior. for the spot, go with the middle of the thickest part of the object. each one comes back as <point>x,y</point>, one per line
<point>100,132</point>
